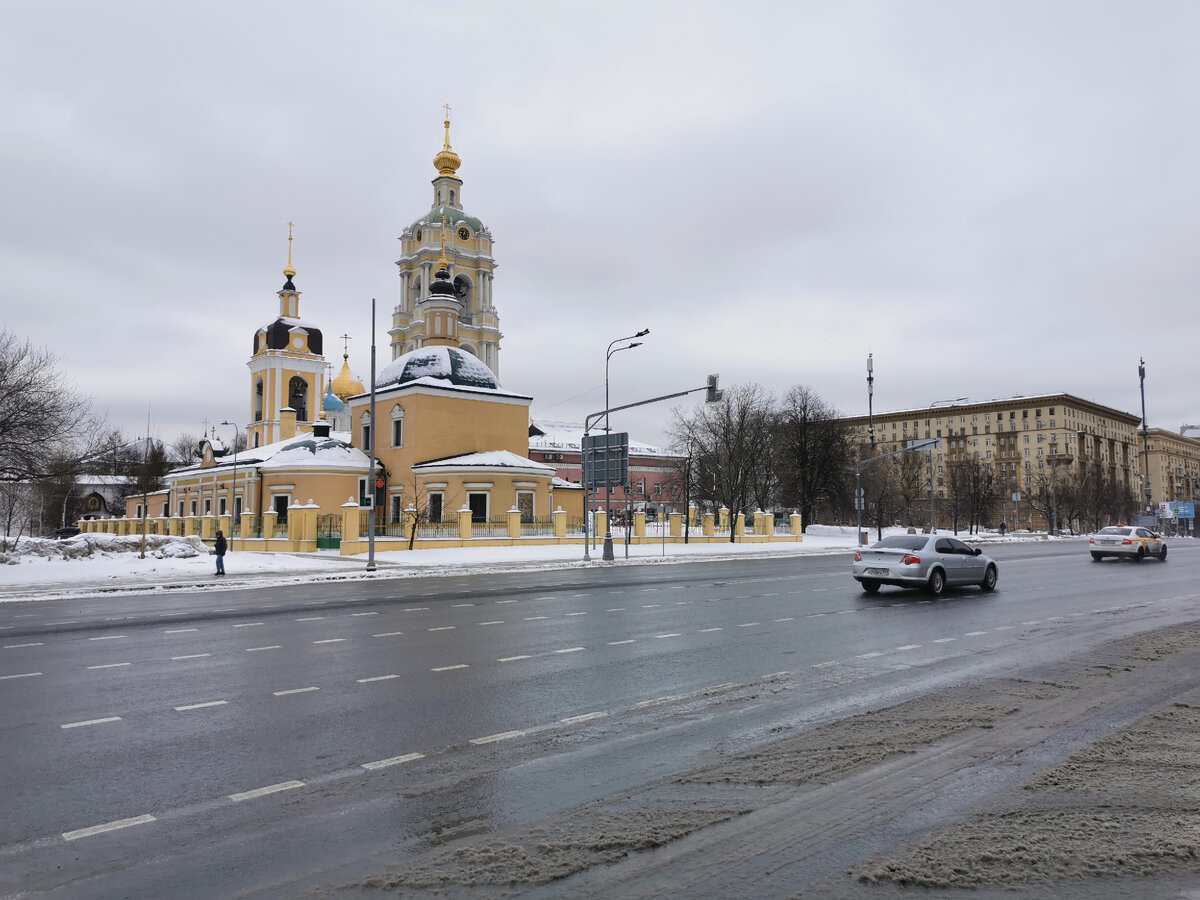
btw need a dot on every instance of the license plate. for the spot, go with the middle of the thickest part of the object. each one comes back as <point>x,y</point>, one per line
<point>877,572</point>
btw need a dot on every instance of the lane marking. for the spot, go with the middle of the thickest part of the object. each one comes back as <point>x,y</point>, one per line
<point>497,622</point>
<point>263,791</point>
<point>450,668</point>
<point>376,678</point>
<point>416,609</point>
<point>909,647</point>
<point>869,655</point>
<point>511,658</point>
<point>535,618</point>
<point>190,656</point>
<point>91,722</point>
<point>389,634</point>
<point>749,624</point>
<point>248,624</point>
<point>460,605</point>
<point>310,619</point>
<point>108,826</point>
<point>944,640</point>
<point>506,601</point>
<point>618,643</point>
<point>651,605</point>
<point>67,622</point>
<point>586,717</point>
<point>296,691</point>
<point>785,619</point>
<point>352,615</point>
<point>974,633</point>
<point>502,736</point>
<point>107,637</point>
<point>704,630</point>
<point>111,666</point>
<point>825,665</point>
<point>772,675</point>
<point>671,635</point>
<point>442,628</point>
<point>1004,627</point>
<point>571,650</point>
<point>616,609</point>
<point>256,649</point>
<point>201,705</point>
<point>577,614</point>
<point>330,641</point>
<point>393,761</point>
<point>666,699</point>
<point>22,675</point>
<point>179,630</point>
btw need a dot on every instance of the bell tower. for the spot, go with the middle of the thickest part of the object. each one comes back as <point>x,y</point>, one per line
<point>447,240</point>
<point>287,370</point>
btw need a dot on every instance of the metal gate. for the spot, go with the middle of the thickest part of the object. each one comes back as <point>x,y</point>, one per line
<point>329,532</point>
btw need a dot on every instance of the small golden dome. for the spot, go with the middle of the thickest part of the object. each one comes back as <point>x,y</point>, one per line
<point>346,385</point>
<point>447,162</point>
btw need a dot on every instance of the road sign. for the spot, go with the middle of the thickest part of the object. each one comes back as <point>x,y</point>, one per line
<point>925,444</point>
<point>606,460</point>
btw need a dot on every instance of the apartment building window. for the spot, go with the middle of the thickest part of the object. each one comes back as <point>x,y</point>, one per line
<point>1038,413</point>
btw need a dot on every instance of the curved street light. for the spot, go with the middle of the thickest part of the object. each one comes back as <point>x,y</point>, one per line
<point>608,544</point>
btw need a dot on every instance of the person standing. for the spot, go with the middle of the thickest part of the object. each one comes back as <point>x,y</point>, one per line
<point>219,549</point>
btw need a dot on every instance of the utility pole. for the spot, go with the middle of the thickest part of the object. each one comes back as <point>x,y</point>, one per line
<point>1145,438</point>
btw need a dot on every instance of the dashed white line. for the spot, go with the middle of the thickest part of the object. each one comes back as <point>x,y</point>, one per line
<point>869,655</point>
<point>393,761</point>
<point>389,634</point>
<point>825,665</point>
<point>785,619</point>
<point>749,624</point>
<point>179,630</point>
<point>944,640</point>
<point>256,649</point>
<point>364,614</point>
<point>974,633</point>
<point>376,678</point>
<point>535,618</point>
<point>586,717</point>
<point>201,705</point>
<point>92,722</point>
<point>310,619</point>
<point>330,641</point>
<point>570,650</point>
<point>415,609</point>
<point>107,637</point>
<point>651,605</point>
<point>618,643</point>
<point>496,622</point>
<point>502,736</point>
<point>22,675</point>
<point>577,614</point>
<point>248,624</point>
<point>671,635</point>
<point>909,647</point>
<point>442,628</point>
<point>111,665</point>
<point>1004,627</point>
<point>460,605</point>
<point>303,690</point>
<point>506,601</point>
<point>656,700</point>
<point>108,826</point>
<point>190,656</point>
<point>450,668</point>
<point>616,609</point>
<point>512,658</point>
<point>263,791</point>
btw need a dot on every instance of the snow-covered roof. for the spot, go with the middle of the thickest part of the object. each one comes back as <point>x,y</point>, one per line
<point>301,451</point>
<point>446,364</point>
<point>488,459</point>
<point>569,436</point>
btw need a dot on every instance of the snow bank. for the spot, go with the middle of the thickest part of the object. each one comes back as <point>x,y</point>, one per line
<point>99,546</point>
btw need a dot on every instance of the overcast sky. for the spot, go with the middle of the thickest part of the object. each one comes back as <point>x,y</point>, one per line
<point>992,198</point>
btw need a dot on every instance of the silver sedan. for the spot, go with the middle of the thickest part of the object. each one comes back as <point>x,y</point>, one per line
<point>930,561</point>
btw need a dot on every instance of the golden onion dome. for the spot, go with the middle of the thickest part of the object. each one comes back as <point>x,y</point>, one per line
<point>346,385</point>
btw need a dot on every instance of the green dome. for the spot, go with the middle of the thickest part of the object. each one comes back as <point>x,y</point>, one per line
<point>453,216</point>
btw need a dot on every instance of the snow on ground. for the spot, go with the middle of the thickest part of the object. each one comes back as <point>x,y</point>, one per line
<point>41,568</point>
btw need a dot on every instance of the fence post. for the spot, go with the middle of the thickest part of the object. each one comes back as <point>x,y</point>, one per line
<point>797,524</point>
<point>639,524</point>
<point>723,522</point>
<point>708,526</point>
<point>270,520</point>
<point>676,525</point>
<point>560,522</point>
<point>514,523</point>
<point>464,523</point>
<point>739,528</point>
<point>350,518</point>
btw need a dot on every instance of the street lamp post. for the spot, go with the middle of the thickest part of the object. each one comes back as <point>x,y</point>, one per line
<point>931,446</point>
<point>870,399</point>
<point>233,510</point>
<point>1145,436</point>
<point>608,544</point>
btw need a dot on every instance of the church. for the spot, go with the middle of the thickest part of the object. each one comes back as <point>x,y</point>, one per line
<point>450,443</point>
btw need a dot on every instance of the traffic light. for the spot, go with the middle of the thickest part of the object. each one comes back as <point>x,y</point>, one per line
<point>713,395</point>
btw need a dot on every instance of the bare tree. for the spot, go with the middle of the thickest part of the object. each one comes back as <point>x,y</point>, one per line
<point>185,449</point>
<point>44,420</point>
<point>813,452</point>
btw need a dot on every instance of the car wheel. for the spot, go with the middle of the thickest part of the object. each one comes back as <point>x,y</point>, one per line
<point>989,579</point>
<point>1162,557</point>
<point>1096,557</point>
<point>870,587</point>
<point>1141,554</point>
<point>937,582</point>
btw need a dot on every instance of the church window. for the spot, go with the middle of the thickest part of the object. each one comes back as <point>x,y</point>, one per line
<point>298,397</point>
<point>257,438</point>
<point>397,508</point>
<point>365,421</point>
<point>451,196</point>
<point>397,425</point>
<point>478,502</point>
<point>258,400</point>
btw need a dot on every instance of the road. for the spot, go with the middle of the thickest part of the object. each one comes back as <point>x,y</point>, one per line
<point>270,741</point>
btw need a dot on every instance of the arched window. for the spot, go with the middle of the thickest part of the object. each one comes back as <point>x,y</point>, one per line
<point>463,290</point>
<point>298,397</point>
<point>397,425</point>
<point>258,399</point>
<point>365,422</point>
<point>451,196</point>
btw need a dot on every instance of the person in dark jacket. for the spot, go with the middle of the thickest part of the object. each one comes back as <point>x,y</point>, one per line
<point>219,549</point>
